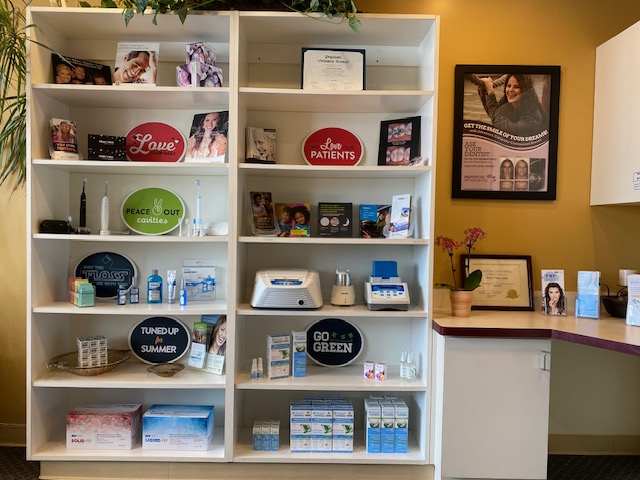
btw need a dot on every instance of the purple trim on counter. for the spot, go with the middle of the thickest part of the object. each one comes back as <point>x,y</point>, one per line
<point>536,333</point>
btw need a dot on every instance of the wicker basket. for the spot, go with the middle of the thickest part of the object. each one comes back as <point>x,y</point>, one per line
<point>69,363</point>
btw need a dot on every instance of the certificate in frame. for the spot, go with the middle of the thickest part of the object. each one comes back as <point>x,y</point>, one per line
<point>507,281</point>
<point>333,69</point>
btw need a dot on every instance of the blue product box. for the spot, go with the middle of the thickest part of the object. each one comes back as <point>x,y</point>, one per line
<point>373,413</point>
<point>299,344</point>
<point>177,427</point>
<point>401,426</point>
<point>387,427</point>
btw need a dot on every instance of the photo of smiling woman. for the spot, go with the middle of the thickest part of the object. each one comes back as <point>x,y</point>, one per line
<point>219,337</point>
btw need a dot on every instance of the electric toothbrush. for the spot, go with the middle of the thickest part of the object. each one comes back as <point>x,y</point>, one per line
<point>82,228</point>
<point>198,220</point>
<point>104,212</point>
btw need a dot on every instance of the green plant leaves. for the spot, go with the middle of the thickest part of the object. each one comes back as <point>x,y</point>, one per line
<point>473,280</point>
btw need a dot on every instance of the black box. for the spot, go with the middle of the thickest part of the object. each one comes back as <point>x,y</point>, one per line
<point>107,147</point>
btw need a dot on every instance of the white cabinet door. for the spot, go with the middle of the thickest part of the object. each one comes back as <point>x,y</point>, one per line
<point>492,408</point>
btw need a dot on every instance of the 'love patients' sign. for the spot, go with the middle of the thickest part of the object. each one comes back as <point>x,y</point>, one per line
<point>332,146</point>
<point>152,211</point>
<point>159,340</point>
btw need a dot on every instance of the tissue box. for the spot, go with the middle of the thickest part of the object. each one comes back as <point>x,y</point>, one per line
<point>104,427</point>
<point>177,427</point>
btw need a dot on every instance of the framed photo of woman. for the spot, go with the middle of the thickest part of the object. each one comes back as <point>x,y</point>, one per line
<point>505,138</point>
<point>208,138</point>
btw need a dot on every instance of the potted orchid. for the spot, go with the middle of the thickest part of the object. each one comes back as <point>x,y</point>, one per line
<point>461,297</point>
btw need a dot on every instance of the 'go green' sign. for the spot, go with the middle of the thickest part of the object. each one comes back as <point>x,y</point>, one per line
<point>152,211</point>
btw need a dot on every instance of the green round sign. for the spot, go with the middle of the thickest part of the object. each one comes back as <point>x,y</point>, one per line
<point>152,211</point>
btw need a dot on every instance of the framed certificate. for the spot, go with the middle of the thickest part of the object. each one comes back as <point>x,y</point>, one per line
<point>333,69</point>
<point>507,281</point>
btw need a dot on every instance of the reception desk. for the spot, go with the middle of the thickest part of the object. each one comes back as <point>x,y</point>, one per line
<point>492,375</point>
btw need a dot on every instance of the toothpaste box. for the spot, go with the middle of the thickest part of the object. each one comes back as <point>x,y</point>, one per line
<point>104,427</point>
<point>373,420</point>
<point>343,427</point>
<point>321,426</point>
<point>299,361</point>
<point>387,427</point>
<point>401,426</point>
<point>278,355</point>
<point>177,427</point>
<point>199,279</point>
<point>300,426</point>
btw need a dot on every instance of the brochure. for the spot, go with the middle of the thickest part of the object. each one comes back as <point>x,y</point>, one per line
<point>136,63</point>
<point>553,296</point>
<point>588,298</point>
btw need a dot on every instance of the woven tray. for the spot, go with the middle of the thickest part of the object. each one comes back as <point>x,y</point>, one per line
<point>69,363</point>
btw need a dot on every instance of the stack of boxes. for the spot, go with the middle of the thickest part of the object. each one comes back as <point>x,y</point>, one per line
<point>92,351</point>
<point>81,292</point>
<point>321,425</point>
<point>266,435</point>
<point>386,425</point>
<point>278,355</point>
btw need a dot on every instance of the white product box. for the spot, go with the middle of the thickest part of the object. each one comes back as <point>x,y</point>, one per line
<point>321,426</point>
<point>278,355</point>
<point>104,427</point>
<point>369,370</point>
<point>343,426</point>
<point>299,360</point>
<point>256,435</point>
<point>275,435</point>
<point>300,426</point>
<point>177,427</point>
<point>401,426</point>
<point>387,427</point>
<point>381,371</point>
<point>199,279</point>
<point>373,421</point>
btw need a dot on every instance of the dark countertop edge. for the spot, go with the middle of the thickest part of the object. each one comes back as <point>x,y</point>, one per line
<point>536,333</point>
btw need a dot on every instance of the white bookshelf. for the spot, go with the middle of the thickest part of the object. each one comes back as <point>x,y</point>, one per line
<point>260,53</point>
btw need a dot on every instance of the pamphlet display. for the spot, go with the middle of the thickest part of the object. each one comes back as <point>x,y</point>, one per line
<point>553,296</point>
<point>400,216</point>
<point>262,215</point>
<point>64,140</point>
<point>74,71</point>
<point>588,297</point>
<point>633,300</point>
<point>136,63</point>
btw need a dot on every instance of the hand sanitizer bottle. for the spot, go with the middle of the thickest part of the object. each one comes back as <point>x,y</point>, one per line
<point>260,372</point>
<point>154,287</point>
<point>254,369</point>
<point>403,365</point>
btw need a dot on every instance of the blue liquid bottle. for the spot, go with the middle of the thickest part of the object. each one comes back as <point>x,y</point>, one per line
<point>154,287</point>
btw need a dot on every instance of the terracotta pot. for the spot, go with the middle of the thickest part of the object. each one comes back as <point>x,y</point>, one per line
<point>461,303</point>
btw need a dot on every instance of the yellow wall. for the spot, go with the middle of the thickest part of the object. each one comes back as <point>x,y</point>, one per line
<point>565,233</point>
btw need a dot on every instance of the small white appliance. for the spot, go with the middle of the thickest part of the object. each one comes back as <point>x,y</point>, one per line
<point>286,288</point>
<point>385,290</point>
<point>342,292</point>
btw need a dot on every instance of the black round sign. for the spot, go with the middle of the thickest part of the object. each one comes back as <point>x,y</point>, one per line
<point>159,340</point>
<point>333,342</point>
<point>106,271</point>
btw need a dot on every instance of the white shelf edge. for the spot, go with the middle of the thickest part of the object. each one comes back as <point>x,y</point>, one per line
<point>131,375</point>
<point>133,238</point>
<point>317,171</point>
<point>134,168</point>
<point>332,241</point>
<point>344,379</point>
<point>244,453</point>
<point>57,450</point>
<point>218,307</point>
<point>359,310</point>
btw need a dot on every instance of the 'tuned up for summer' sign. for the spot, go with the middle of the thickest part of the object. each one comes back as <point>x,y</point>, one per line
<point>152,211</point>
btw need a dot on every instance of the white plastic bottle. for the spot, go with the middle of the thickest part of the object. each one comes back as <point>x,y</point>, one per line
<point>412,373</point>
<point>403,365</point>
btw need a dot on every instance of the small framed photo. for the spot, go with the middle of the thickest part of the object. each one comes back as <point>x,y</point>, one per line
<point>333,69</point>
<point>507,281</point>
<point>399,141</point>
<point>554,300</point>
<point>261,145</point>
<point>505,132</point>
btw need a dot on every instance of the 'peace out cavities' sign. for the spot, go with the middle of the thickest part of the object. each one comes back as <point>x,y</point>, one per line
<point>152,211</point>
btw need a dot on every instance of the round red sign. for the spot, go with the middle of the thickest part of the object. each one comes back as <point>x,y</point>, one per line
<point>155,142</point>
<point>332,146</point>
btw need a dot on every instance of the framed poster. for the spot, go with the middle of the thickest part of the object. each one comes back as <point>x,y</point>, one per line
<point>505,138</point>
<point>333,69</point>
<point>507,281</point>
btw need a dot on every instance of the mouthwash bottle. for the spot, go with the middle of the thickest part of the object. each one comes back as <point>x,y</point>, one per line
<point>154,287</point>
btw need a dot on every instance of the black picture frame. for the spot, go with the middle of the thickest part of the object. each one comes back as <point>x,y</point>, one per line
<point>489,132</point>
<point>507,281</point>
<point>396,136</point>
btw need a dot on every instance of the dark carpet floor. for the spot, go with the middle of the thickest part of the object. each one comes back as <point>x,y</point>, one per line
<point>13,466</point>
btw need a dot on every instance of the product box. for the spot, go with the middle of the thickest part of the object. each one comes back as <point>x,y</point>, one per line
<point>278,354</point>
<point>373,421</point>
<point>299,361</point>
<point>387,427</point>
<point>275,435</point>
<point>343,427</point>
<point>401,426</point>
<point>369,369</point>
<point>177,427</point>
<point>300,426</point>
<point>256,435</point>
<point>104,427</point>
<point>106,147</point>
<point>200,279</point>
<point>321,426</point>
